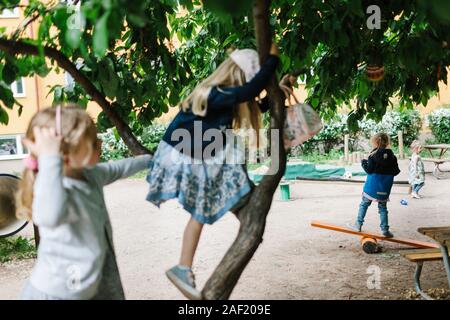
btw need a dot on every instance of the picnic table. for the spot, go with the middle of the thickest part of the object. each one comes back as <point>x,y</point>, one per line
<point>437,172</point>
<point>442,236</point>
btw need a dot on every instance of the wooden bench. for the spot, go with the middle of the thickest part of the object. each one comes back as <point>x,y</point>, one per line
<point>419,256</point>
<point>442,236</point>
<point>437,172</point>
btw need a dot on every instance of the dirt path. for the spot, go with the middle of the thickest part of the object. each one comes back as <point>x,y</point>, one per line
<point>295,261</point>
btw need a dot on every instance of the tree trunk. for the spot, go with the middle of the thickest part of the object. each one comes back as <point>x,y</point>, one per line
<point>253,216</point>
<point>19,47</point>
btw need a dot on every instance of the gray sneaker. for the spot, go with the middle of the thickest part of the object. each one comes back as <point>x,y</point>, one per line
<point>355,227</point>
<point>388,234</point>
<point>183,278</point>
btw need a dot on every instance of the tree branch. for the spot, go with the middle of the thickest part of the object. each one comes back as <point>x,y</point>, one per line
<point>20,47</point>
<point>253,216</point>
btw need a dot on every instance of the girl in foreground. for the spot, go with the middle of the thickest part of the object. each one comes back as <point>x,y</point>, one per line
<point>62,192</point>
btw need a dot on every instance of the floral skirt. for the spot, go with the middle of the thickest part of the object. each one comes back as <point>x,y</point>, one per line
<point>206,189</point>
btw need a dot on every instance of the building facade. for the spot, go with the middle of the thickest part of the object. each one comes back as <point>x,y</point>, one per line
<point>32,93</point>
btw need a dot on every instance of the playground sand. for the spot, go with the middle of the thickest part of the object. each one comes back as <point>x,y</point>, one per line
<point>295,261</point>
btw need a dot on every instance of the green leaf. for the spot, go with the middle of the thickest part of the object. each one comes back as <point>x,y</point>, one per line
<point>100,38</point>
<point>9,73</point>
<point>58,95</point>
<point>230,40</point>
<point>137,20</point>
<point>7,96</point>
<point>108,77</point>
<point>4,118</point>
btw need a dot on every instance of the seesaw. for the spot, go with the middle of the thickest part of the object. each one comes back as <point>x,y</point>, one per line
<point>369,240</point>
<point>341,180</point>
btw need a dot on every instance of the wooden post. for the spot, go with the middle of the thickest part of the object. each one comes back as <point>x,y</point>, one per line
<point>401,150</point>
<point>346,154</point>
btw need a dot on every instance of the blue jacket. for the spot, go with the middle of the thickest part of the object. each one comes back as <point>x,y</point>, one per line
<point>381,167</point>
<point>221,106</point>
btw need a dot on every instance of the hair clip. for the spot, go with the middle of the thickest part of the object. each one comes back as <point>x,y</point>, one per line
<point>31,163</point>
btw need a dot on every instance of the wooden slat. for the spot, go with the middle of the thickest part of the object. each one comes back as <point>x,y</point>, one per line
<point>436,160</point>
<point>439,234</point>
<point>442,237</point>
<point>415,251</point>
<point>424,230</point>
<point>422,255</point>
<point>437,146</point>
<point>408,242</point>
<point>431,229</point>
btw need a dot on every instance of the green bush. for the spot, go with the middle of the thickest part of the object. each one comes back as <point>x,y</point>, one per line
<point>113,147</point>
<point>439,123</point>
<point>408,121</point>
<point>16,248</point>
<point>331,135</point>
<point>152,135</point>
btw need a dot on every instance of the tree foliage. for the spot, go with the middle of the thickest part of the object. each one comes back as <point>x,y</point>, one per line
<point>144,57</point>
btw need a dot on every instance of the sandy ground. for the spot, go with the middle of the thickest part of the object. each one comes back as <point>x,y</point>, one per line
<point>295,261</point>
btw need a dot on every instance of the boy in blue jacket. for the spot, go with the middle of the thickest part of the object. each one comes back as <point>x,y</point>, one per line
<point>381,167</point>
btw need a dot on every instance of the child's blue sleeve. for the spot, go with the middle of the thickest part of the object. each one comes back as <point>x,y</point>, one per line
<point>368,165</point>
<point>264,105</point>
<point>396,168</point>
<point>231,96</point>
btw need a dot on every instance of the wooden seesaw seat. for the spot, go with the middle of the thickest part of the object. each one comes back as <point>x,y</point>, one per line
<point>369,240</point>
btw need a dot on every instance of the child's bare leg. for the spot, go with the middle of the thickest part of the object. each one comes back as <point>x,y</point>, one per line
<point>190,241</point>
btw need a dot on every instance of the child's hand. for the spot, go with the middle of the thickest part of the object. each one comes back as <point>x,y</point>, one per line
<point>286,84</point>
<point>47,142</point>
<point>274,50</point>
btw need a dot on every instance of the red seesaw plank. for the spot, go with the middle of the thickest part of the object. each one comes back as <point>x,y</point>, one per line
<point>408,242</point>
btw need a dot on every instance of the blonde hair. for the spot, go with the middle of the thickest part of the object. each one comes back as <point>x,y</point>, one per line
<point>77,129</point>
<point>245,115</point>
<point>415,145</point>
<point>381,141</point>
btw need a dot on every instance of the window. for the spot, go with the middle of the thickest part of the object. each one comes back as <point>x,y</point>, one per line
<point>10,13</point>
<point>11,147</point>
<point>18,88</point>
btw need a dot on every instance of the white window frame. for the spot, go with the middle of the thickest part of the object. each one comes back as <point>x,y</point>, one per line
<point>20,154</point>
<point>14,89</point>
<point>13,13</point>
